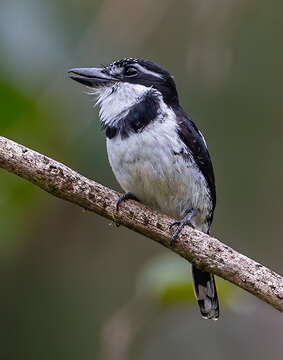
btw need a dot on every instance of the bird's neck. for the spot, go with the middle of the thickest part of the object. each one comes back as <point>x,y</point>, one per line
<point>129,108</point>
<point>116,101</point>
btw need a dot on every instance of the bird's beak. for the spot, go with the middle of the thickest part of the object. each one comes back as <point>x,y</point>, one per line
<point>93,77</point>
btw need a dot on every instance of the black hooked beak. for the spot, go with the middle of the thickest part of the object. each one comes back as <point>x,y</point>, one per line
<point>93,77</point>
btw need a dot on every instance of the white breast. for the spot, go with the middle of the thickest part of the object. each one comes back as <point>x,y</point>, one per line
<point>147,165</point>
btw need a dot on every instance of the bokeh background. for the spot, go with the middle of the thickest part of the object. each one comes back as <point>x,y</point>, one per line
<point>73,286</point>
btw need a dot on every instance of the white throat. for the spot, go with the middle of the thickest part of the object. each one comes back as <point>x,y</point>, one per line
<point>115,101</point>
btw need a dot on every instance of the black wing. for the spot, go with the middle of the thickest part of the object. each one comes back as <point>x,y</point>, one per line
<point>193,139</point>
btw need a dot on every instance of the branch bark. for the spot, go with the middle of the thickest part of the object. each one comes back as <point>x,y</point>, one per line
<point>205,252</point>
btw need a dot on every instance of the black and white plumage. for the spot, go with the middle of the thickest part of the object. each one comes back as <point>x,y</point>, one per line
<point>155,150</point>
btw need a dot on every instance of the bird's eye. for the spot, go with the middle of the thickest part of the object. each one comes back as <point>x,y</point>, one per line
<point>131,71</point>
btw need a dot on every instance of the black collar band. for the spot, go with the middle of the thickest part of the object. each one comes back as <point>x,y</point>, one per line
<point>138,117</point>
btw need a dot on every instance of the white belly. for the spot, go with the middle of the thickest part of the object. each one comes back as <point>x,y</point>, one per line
<point>146,165</point>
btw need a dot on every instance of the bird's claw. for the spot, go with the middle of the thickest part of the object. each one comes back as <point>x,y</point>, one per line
<point>174,223</point>
<point>181,224</point>
<point>125,197</point>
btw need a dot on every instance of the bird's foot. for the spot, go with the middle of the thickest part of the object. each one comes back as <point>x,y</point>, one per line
<point>181,224</point>
<point>124,197</point>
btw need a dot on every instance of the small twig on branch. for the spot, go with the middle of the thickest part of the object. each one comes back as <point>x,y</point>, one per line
<point>205,252</point>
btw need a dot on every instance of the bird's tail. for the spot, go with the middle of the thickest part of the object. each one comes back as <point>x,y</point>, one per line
<point>206,294</point>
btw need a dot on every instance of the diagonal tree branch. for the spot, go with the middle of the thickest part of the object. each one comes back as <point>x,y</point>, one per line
<point>203,251</point>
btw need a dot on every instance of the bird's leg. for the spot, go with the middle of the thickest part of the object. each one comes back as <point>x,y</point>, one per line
<point>181,224</point>
<point>125,197</point>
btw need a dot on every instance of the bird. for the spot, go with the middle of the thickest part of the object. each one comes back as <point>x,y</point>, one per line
<point>156,152</point>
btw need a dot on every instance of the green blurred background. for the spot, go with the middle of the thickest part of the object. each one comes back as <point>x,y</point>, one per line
<point>73,286</point>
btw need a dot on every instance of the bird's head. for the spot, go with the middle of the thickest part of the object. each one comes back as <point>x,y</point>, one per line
<point>122,84</point>
<point>136,72</point>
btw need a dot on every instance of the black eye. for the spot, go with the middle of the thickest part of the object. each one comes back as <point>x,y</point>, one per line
<point>130,71</point>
